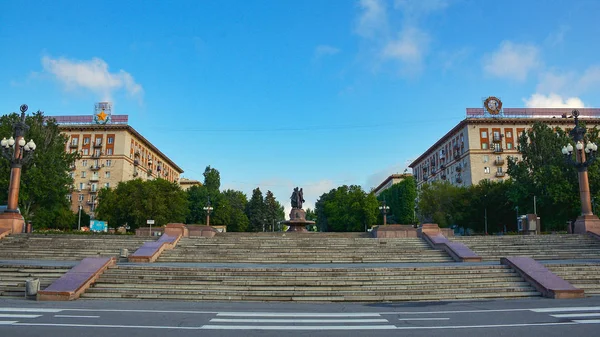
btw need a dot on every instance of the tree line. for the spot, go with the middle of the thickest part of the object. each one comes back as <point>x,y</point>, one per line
<point>541,174</point>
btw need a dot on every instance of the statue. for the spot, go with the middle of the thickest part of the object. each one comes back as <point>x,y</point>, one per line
<point>297,198</point>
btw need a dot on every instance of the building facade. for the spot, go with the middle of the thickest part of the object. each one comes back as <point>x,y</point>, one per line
<point>111,152</point>
<point>186,184</point>
<point>479,146</point>
<point>389,181</point>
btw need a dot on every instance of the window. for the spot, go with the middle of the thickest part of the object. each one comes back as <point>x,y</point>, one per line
<point>69,197</point>
<point>86,152</point>
<point>483,134</point>
<point>86,140</point>
<point>73,150</point>
<point>508,146</point>
<point>107,185</point>
<point>84,163</point>
<point>83,174</point>
<point>486,170</point>
<point>71,174</point>
<point>81,197</point>
<point>98,141</point>
<point>97,153</point>
<point>109,151</point>
<point>508,134</point>
<point>486,158</point>
<point>107,174</point>
<point>74,141</point>
<point>81,186</point>
<point>499,169</point>
<point>484,146</point>
<point>96,163</point>
<point>110,140</point>
<point>108,163</point>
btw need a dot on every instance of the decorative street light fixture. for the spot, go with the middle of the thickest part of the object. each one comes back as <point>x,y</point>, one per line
<point>79,221</point>
<point>584,157</point>
<point>208,209</point>
<point>384,209</point>
<point>18,152</point>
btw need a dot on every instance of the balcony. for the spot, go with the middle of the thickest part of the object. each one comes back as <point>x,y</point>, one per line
<point>94,178</point>
<point>444,176</point>
<point>72,167</point>
<point>442,166</point>
<point>497,149</point>
<point>96,154</point>
<point>499,162</point>
<point>425,178</point>
<point>459,168</point>
<point>95,167</point>
<point>136,162</point>
<point>459,180</point>
<point>73,145</point>
<point>497,138</point>
<point>500,174</point>
<point>98,144</point>
<point>92,202</point>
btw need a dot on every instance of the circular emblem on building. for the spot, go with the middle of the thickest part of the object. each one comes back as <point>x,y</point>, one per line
<point>492,105</point>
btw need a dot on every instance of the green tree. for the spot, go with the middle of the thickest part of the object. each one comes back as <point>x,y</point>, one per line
<point>400,197</point>
<point>212,180</point>
<point>135,201</point>
<point>273,210</point>
<point>255,211</point>
<point>346,209</point>
<point>45,181</point>
<point>540,161</point>
<point>439,203</point>
<point>236,202</point>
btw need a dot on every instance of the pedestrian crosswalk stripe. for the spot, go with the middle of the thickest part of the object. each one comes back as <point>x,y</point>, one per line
<point>275,320</point>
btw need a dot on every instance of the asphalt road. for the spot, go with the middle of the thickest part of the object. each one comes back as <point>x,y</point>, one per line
<point>533,317</point>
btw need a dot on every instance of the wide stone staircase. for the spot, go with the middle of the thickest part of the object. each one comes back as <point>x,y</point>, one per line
<point>539,247</point>
<point>13,277</point>
<point>66,247</point>
<point>302,284</point>
<point>302,248</point>
<point>582,275</point>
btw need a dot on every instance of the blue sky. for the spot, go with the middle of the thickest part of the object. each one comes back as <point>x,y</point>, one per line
<point>311,93</point>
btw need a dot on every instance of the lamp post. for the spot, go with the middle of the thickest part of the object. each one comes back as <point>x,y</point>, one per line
<point>585,155</point>
<point>384,209</point>
<point>18,152</point>
<point>79,221</point>
<point>208,209</point>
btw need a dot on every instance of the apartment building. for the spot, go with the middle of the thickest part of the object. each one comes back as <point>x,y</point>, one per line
<point>478,147</point>
<point>111,152</point>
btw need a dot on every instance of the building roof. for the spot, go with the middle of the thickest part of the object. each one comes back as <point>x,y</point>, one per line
<point>390,178</point>
<point>547,115</point>
<point>189,181</point>
<point>107,127</point>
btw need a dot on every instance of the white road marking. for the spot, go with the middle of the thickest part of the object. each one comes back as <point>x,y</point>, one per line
<point>425,319</point>
<point>565,309</point>
<point>287,327</point>
<point>29,310</point>
<point>275,320</point>
<point>595,314</point>
<point>587,321</point>
<point>7,322</point>
<point>18,316</point>
<point>305,327</point>
<point>297,314</point>
<point>74,316</point>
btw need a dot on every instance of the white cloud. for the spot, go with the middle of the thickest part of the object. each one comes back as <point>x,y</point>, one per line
<point>325,50</point>
<point>512,61</point>
<point>558,37</point>
<point>410,47</point>
<point>373,19</point>
<point>92,75</point>
<point>552,101</point>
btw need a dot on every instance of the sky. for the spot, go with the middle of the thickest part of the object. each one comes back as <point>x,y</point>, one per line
<point>281,93</point>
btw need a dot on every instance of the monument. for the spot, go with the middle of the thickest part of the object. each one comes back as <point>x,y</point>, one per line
<point>297,222</point>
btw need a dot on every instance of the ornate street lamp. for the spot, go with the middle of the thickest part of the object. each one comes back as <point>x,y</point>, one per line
<point>384,209</point>
<point>18,152</point>
<point>585,154</point>
<point>208,209</point>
